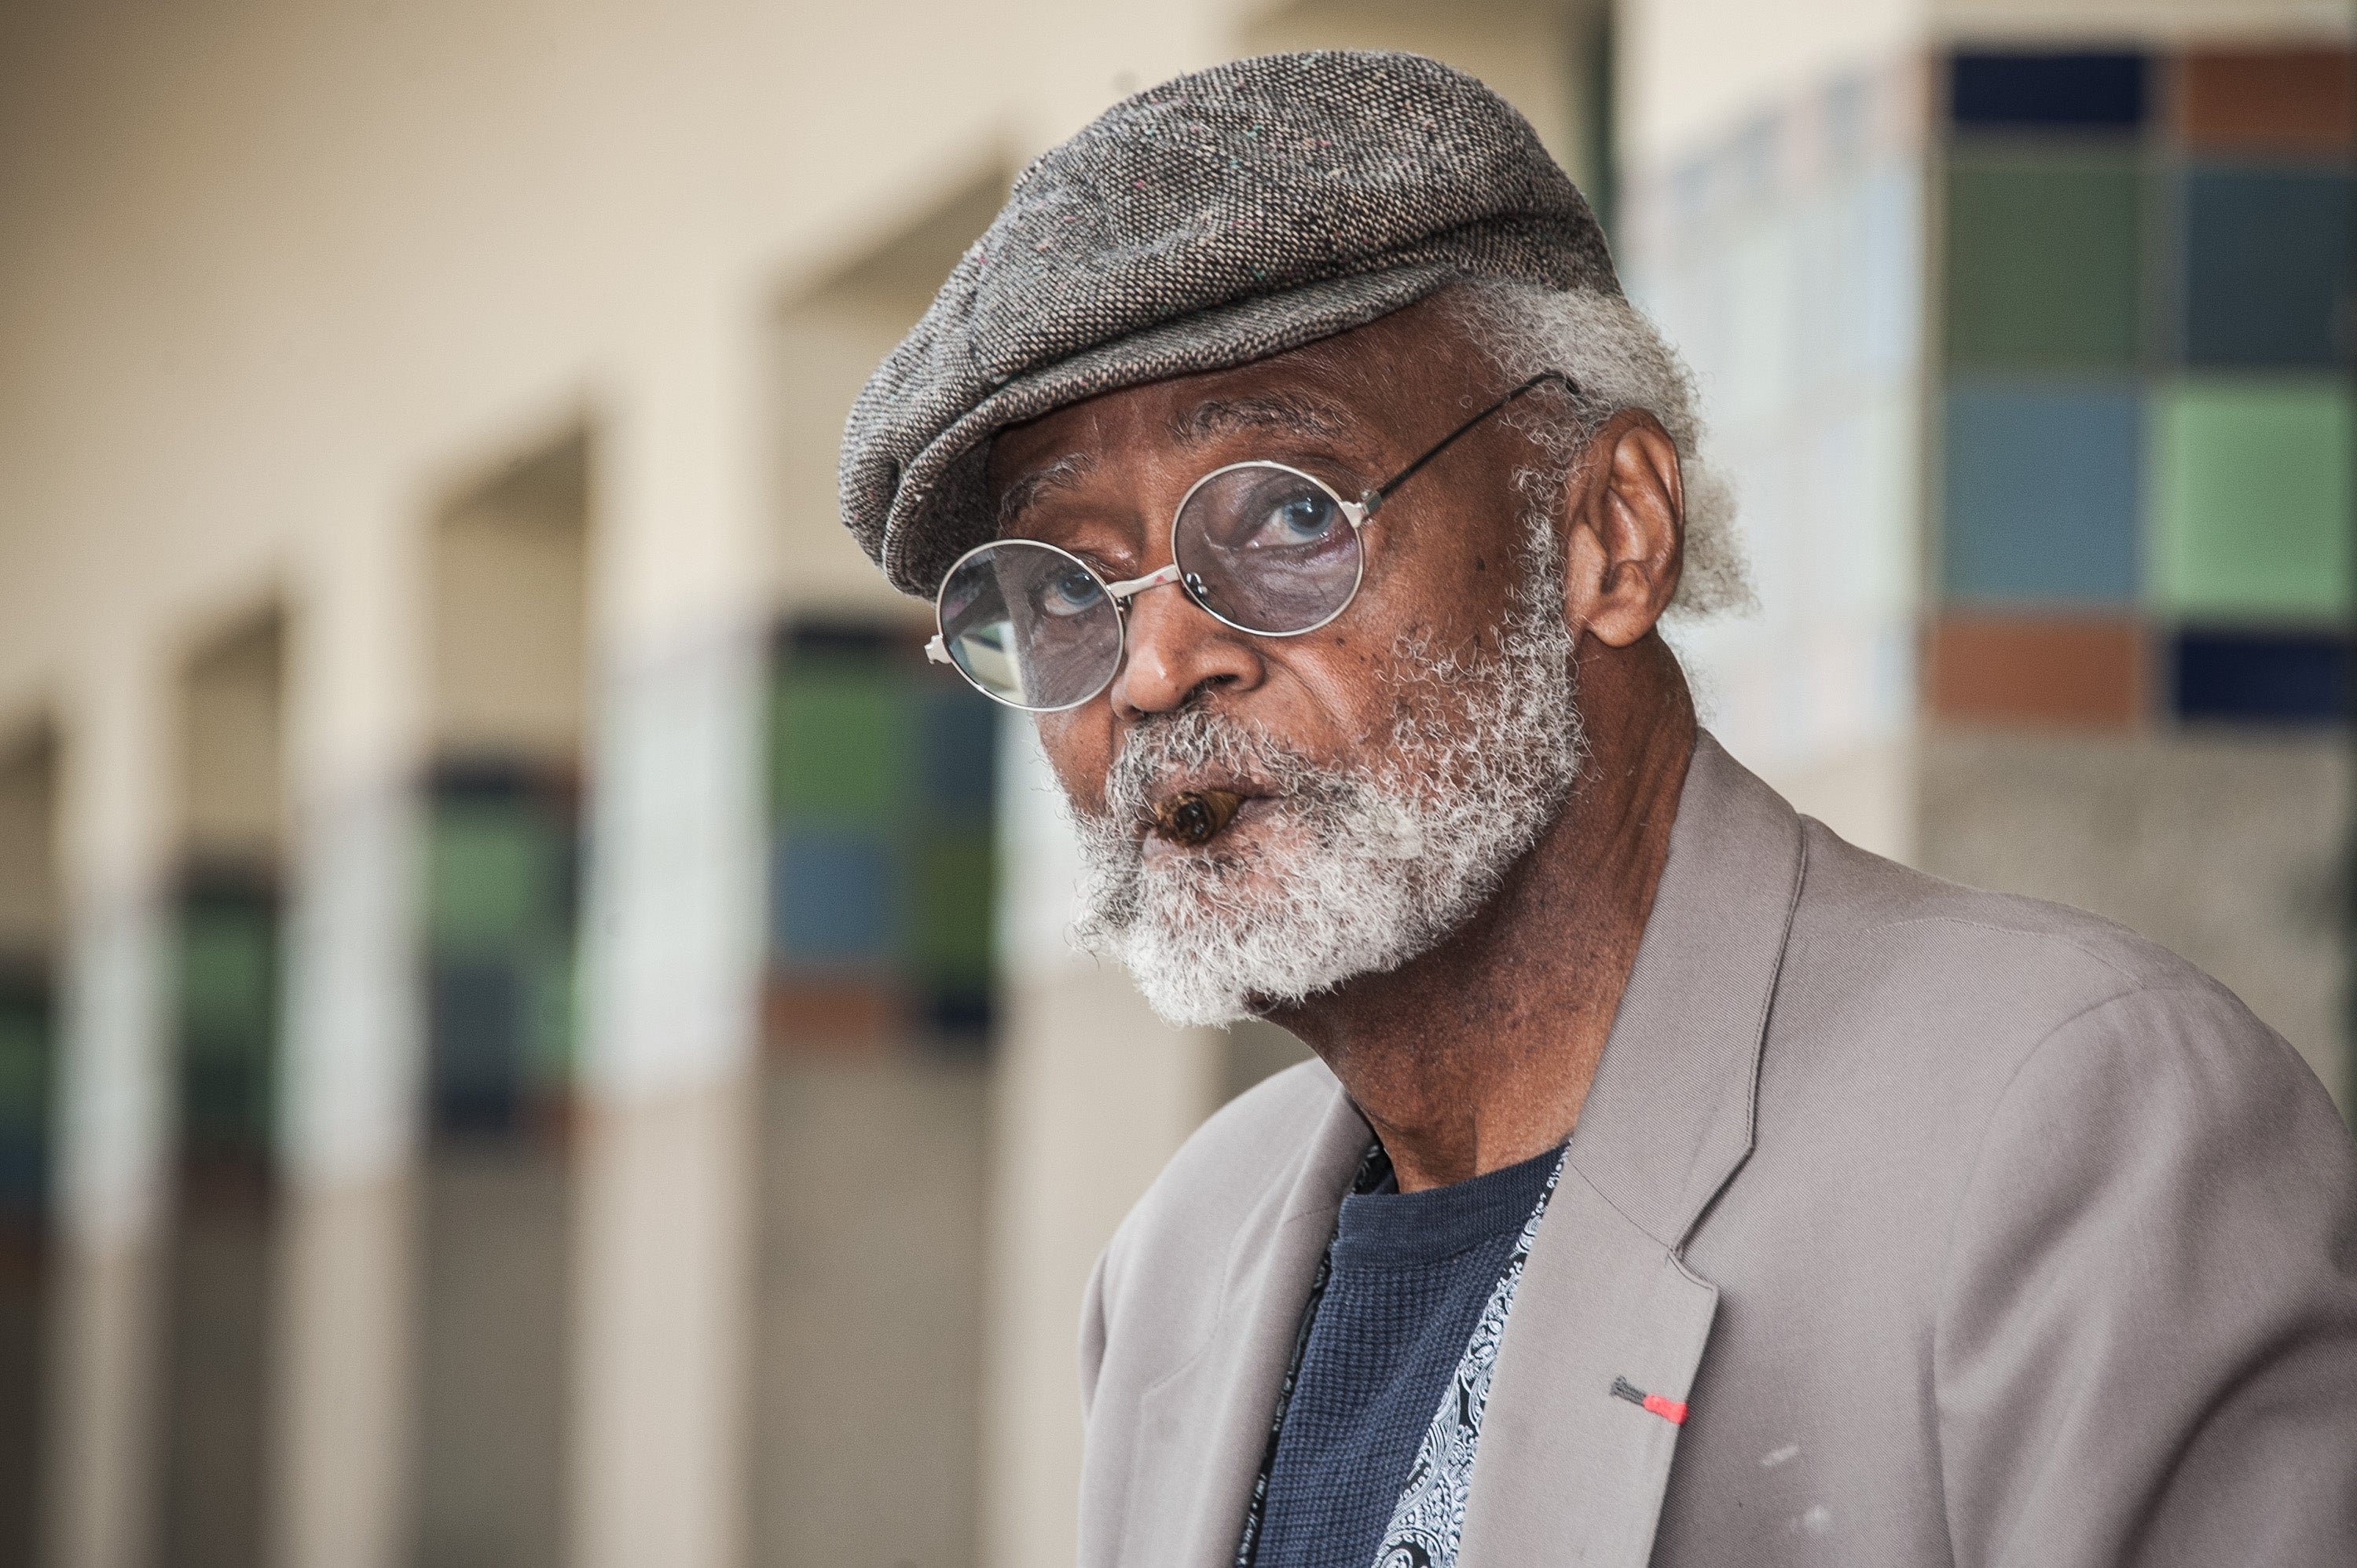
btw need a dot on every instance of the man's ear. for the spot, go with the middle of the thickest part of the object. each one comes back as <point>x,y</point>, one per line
<point>1625,531</point>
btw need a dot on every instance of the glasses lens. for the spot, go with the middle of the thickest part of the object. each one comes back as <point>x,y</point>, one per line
<point>1267,548</point>
<point>1029,625</point>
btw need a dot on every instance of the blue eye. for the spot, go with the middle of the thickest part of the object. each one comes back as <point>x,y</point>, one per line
<point>1303,519</point>
<point>1068,593</point>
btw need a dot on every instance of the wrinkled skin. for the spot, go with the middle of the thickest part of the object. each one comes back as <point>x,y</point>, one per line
<point>1480,1053</point>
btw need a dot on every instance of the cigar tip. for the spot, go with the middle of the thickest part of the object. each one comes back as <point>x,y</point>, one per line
<point>1195,816</point>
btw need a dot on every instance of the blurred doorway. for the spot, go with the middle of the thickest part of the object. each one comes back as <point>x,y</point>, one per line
<point>880,1003</point>
<point>28,955</point>
<point>502,872</point>
<point>221,1257</point>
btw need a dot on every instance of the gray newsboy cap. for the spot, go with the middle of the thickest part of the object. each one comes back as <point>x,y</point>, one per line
<point>1217,219</point>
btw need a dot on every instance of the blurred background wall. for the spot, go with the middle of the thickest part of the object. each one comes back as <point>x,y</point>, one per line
<point>534,1029</point>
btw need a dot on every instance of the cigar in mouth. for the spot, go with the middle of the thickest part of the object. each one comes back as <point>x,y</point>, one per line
<point>1195,816</point>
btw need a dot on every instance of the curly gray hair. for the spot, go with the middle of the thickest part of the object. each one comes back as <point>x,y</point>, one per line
<point>1620,361</point>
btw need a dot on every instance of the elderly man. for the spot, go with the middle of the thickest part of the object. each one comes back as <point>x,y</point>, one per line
<point>1675,1183</point>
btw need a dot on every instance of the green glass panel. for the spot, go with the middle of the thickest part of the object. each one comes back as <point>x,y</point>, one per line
<point>843,744</point>
<point>549,987</point>
<point>2043,259</point>
<point>228,1022</point>
<point>226,980</point>
<point>495,878</point>
<point>24,1072</point>
<point>2251,480</point>
<point>24,1076</point>
<point>954,897</point>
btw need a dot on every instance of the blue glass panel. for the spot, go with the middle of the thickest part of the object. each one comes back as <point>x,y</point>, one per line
<point>477,1007</point>
<point>2278,678</point>
<point>834,897</point>
<point>2040,493</point>
<point>958,1010</point>
<point>2096,90</point>
<point>2266,253</point>
<point>961,749</point>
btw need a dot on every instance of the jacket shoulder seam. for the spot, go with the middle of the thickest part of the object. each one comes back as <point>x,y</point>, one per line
<point>2059,937</point>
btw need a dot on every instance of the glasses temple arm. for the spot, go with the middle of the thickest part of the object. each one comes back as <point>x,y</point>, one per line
<point>1374,499</point>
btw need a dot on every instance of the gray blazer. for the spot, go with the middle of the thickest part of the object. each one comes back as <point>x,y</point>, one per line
<point>1972,1229</point>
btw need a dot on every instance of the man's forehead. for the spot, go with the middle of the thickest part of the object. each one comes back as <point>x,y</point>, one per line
<point>1314,395</point>
<point>1292,410</point>
<point>1057,453</point>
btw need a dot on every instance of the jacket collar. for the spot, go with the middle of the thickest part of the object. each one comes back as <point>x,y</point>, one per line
<point>1669,1117</point>
<point>1567,1471</point>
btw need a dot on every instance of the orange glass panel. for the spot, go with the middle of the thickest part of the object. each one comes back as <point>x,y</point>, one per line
<point>2269,101</point>
<point>2088,672</point>
<point>827,1016</point>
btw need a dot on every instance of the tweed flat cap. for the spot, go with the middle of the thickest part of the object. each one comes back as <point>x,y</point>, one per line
<point>1220,218</point>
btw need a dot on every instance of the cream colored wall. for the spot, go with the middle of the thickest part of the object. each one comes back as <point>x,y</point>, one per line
<point>2220,847</point>
<point>509,623</point>
<point>1690,70</point>
<point>875,1189</point>
<point>2154,20</point>
<point>828,335</point>
<point>233,784</point>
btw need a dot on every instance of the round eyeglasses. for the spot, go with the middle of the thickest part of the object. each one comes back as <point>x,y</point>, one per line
<point>1259,546</point>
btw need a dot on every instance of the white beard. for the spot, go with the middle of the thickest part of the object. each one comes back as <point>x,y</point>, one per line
<point>1350,871</point>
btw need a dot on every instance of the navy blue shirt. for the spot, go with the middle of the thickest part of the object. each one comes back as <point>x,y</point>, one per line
<point>1411,1274</point>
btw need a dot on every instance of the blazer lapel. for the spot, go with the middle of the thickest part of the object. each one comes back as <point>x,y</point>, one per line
<point>1208,1419</point>
<point>1568,1471</point>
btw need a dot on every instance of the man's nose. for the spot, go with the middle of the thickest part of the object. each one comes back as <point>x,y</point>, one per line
<point>1175,647</point>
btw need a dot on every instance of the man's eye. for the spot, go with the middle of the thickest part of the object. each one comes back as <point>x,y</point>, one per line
<point>1300,520</point>
<point>1068,592</point>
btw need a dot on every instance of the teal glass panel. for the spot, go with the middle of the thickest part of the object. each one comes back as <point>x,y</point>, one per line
<point>2040,493</point>
<point>961,751</point>
<point>2252,481</point>
<point>2265,262</point>
<point>479,1012</point>
<point>2044,259</point>
<point>26,1044</point>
